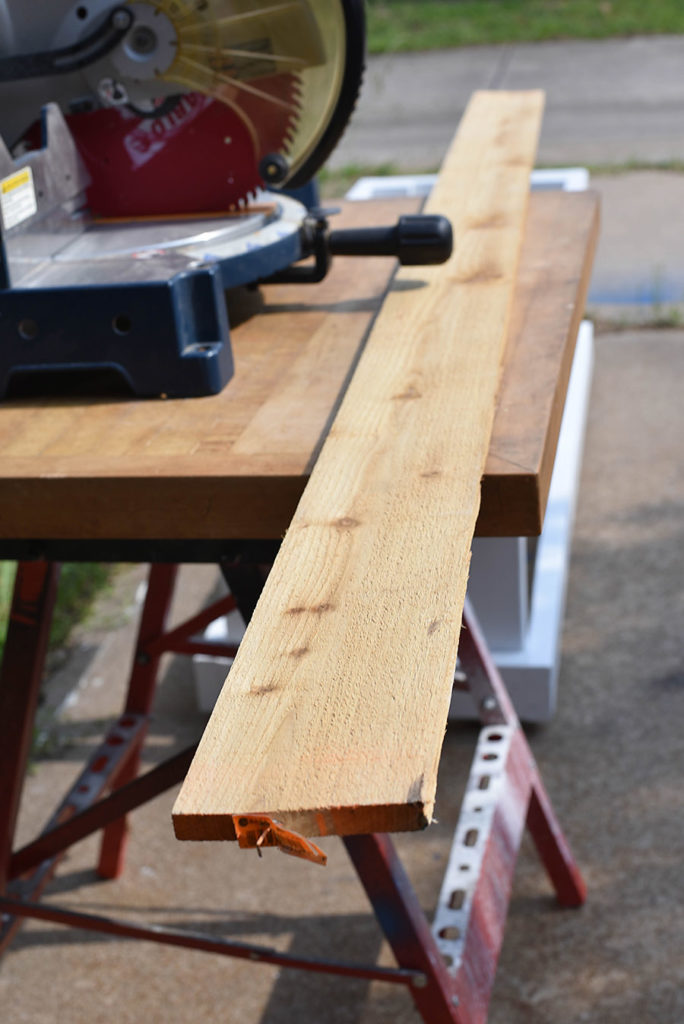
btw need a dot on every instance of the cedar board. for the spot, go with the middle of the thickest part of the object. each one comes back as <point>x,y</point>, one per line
<point>333,715</point>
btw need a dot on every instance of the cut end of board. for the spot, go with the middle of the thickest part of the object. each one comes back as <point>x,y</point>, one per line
<point>341,821</point>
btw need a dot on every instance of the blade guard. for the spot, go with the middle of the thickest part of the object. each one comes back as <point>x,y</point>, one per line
<point>256,831</point>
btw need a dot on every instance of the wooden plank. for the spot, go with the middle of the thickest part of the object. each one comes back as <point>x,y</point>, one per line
<point>251,456</point>
<point>333,715</point>
<point>553,280</point>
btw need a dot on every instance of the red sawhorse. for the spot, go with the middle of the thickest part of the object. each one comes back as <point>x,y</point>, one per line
<point>449,968</point>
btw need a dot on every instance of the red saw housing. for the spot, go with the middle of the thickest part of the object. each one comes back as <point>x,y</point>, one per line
<point>201,156</point>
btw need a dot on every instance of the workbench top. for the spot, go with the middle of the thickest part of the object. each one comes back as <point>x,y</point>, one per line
<point>234,465</point>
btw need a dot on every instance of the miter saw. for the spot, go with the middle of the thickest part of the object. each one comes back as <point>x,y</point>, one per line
<point>140,143</point>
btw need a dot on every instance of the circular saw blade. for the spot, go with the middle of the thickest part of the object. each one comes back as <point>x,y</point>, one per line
<point>238,68</point>
<point>230,49</point>
<point>203,98</point>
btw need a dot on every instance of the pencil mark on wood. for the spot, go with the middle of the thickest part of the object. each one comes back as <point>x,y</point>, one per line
<point>431,474</point>
<point>299,652</point>
<point>415,790</point>
<point>315,609</point>
<point>259,691</point>
<point>481,276</point>
<point>405,285</point>
<point>434,626</point>
<point>497,220</point>
<point>346,523</point>
<point>408,395</point>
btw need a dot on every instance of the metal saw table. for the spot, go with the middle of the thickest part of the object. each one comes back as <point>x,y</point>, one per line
<point>217,480</point>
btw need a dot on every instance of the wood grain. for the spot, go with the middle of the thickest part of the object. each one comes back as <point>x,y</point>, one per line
<point>77,470</point>
<point>333,716</point>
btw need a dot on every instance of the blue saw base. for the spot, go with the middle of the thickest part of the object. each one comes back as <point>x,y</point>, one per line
<point>142,304</point>
<point>167,338</point>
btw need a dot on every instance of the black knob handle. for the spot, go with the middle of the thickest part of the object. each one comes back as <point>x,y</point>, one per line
<point>273,168</point>
<point>416,239</point>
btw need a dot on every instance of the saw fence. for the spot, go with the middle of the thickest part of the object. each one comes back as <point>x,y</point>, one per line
<point>370,453</point>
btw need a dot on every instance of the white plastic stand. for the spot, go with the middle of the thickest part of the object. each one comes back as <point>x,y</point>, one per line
<point>517,586</point>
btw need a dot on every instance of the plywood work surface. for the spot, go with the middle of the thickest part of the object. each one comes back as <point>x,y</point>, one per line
<point>235,464</point>
<point>333,715</point>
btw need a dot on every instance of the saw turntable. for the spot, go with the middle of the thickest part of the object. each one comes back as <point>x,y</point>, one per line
<point>151,152</point>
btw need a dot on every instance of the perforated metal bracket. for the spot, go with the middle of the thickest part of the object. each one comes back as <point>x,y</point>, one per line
<point>487,794</point>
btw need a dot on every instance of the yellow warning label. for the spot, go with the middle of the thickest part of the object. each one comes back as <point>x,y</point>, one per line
<point>17,198</point>
<point>16,181</point>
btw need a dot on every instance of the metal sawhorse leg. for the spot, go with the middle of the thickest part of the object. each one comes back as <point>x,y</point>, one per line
<point>459,954</point>
<point>449,968</point>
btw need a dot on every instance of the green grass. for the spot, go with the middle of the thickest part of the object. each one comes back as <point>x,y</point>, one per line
<point>395,25</point>
<point>334,182</point>
<point>79,584</point>
<point>6,584</point>
<point>673,166</point>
